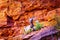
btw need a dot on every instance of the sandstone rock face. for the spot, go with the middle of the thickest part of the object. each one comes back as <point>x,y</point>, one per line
<point>14,10</point>
<point>3,4</point>
<point>3,18</point>
<point>15,15</point>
